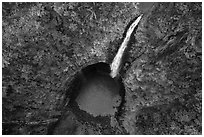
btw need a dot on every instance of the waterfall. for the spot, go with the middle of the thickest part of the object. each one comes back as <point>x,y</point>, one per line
<point>115,65</point>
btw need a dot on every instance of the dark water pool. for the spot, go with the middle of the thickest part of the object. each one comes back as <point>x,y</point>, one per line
<point>96,95</point>
<point>95,99</point>
<point>99,95</point>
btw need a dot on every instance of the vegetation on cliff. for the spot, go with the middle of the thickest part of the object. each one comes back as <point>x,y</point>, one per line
<point>45,44</point>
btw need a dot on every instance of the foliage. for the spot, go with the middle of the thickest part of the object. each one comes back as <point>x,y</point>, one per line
<point>45,44</point>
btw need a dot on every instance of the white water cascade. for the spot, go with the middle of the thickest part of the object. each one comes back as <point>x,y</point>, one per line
<point>115,65</point>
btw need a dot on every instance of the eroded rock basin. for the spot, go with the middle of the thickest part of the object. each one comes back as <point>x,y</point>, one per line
<point>95,101</point>
<point>96,98</point>
<point>99,95</point>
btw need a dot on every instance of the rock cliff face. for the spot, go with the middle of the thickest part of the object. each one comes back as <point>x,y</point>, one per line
<point>45,46</point>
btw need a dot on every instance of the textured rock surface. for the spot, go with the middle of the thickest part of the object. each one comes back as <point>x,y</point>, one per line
<point>166,79</point>
<point>45,44</point>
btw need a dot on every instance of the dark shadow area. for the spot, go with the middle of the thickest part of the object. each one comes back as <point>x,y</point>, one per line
<point>92,73</point>
<point>96,71</point>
